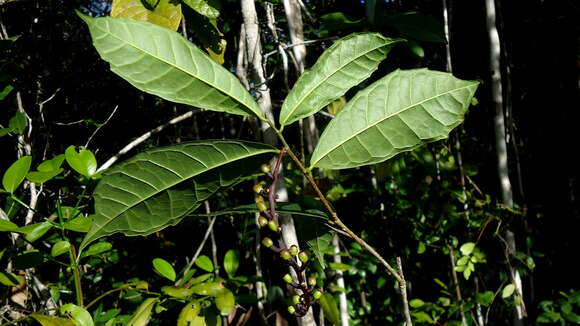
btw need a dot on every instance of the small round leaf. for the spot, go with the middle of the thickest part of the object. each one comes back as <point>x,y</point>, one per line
<point>164,268</point>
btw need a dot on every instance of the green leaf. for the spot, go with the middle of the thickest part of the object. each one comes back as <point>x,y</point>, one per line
<point>60,248</point>
<point>157,188</point>
<point>176,291</point>
<point>397,113</point>
<point>42,177</point>
<point>416,303</point>
<point>6,91</point>
<point>5,131</point>
<point>159,61</point>
<point>212,289</point>
<point>165,14</point>
<point>225,301</point>
<point>52,320</point>
<point>330,308</point>
<point>51,165</point>
<point>35,231</point>
<point>202,8</point>
<point>318,237</point>
<point>282,208</point>
<point>467,248</point>
<point>189,313</point>
<point>18,123</point>
<point>345,64</point>
<point>508,290</point>
<point>7,226</point>
<point>142,315</point>
<point>10,279</point>
<point>80,316</point>
<point>204,263</point>
<point>340,266</point>
<point>232,262</point>
<point>416,25</point>
<point>79,224</point>
<point>164,268</point>
<point>83,161</point>
<point>16,173</point>
<point>485,298</point>
<point>97,249</point>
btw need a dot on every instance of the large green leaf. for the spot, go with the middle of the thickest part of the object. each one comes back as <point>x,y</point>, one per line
<point>203,8</point>
<point>345,64</point>
<point>395,114</point>
<point>160,61</point>
<point>157,188</point>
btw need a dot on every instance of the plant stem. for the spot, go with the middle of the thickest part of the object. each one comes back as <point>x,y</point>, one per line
<point>335,219</point>
<point>97,299</point>
<point>76,275</point>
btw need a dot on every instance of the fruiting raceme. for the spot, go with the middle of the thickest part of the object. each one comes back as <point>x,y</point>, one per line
<point>273,226</point>
<point>317,294</point>
<point>261,204</point>
<point>312,281</point>
<point>296,299</point>
<point>258,188</point>
<point>265,168</point>
<point>291,309</point>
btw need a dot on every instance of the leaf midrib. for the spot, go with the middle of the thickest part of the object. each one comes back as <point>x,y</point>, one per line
<point>176,67</point>
<point>283,123</point>
<point>110,219</point>
<point>313,164</point>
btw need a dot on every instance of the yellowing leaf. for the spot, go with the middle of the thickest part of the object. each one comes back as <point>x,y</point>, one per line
<point>218,56</point>
<point>165,14</point>
<point>51,320</point>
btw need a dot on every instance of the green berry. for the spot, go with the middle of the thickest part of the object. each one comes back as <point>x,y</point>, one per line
<point>265,168</point>
<point>294,250</point>
<point>267,242</point>
<point>291,309</point>
<point>258,188</point>
<point>285,254</point>
<point>273,226</point>
<point>287,278</point>
<point>262,221</point>
<point>261,204</point>
<point>312,281</point>
<point>317,294</point>
<point>296,299</point>
<point>303,256</point>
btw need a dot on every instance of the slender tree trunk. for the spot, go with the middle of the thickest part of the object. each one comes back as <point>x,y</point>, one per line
<point>501,147</point>
<point>340,282</point>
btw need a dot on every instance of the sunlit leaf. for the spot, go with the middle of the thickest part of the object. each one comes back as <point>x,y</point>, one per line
<point>97,249</point>
<point>16,173</point>
<point>225,301</point>
<point>232,262</point>
<point>467,248</point>
<point>397,113</point>
<point>81,160</point>
<point>166,13</point>
<point>164,268</point>
<point>330,308</point>
<point>204,263</point>
<point>45,320</point>
<point>159,187</point>
<point>202,8</point>
<point>142,315</point>
<point>508,290</point>
<point>345,64</point>
<point>7,226</point>
<point>80,316</point>
<point>189,313</point>
<point>59,248</point>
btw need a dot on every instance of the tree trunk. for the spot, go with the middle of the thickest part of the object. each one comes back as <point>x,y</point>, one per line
<point>501,148</point>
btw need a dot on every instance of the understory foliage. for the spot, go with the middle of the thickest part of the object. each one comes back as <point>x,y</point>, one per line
<point>186,229</point>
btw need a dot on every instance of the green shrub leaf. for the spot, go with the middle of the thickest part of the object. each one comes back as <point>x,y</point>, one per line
<point>397,113</point>
<point>16,173</point>
<point>164,268</point>
<point>232,262</point>
<point>204,263</point>
<point>345,64</point>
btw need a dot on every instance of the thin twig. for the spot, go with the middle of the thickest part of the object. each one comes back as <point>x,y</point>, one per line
<point>456,283</point>
<point>200,247</point>
<point>403,288</point>
<point>101,126</point>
